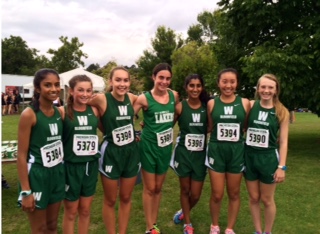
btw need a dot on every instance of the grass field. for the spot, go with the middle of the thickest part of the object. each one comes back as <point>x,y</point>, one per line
<point>298,199</point>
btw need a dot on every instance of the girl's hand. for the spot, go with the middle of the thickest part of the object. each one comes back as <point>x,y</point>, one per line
<point>28,203</point>
<point>138,135</point>
<point>141,124</point>
<point>279,175</point>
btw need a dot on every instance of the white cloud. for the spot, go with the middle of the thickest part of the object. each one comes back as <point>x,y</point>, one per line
<point>110,29</point>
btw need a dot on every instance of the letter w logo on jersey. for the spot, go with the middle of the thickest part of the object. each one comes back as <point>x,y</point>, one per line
<point>108,169</point>
<point>228,110</point>
<point>83,120</point>
<point>37,196</point>
<point>123,110</point>
<point>53,129</point>
<point>262,116</point>
<point>195,118</point>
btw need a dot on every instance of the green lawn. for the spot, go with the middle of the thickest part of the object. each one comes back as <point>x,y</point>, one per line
<point>298,199</point>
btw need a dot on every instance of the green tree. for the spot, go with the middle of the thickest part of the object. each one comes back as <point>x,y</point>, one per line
<point>280,37</point>
<point>68,56</point>
<point>17,57</point>
<point>192,59</point>
<point>166,41</point>
<point>146,63</point>
<point>92,67</point>
<point>136,86</point>
<point>214,29</point>
<point>105,71</point>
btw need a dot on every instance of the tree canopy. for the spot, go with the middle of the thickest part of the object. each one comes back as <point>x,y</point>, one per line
<point>279,37</point>
<point>165,42</point>
<point>17,57</point>
<point>192,59</point>
<point>68,56</point>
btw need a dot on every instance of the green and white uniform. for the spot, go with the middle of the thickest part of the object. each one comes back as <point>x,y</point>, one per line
<point>119,149</point>
<point>157,134</point>
<point>189,154</point>
<point>261,151</point>
<point>81,145</point>
<point>225,151</point>
<point>45,156</point>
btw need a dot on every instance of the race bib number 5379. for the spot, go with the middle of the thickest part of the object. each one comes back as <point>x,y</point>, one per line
<point>85,145</point>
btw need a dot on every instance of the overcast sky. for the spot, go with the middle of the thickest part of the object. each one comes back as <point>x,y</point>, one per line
<point>110,29</point>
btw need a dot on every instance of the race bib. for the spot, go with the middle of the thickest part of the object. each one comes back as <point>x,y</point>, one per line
<point>228,132</point>
<point>123,135</point>
<point>165,138</point>
<point>258,137</point>
<point>194,142</point>
<point>52,154</point>
<point>85,145</point>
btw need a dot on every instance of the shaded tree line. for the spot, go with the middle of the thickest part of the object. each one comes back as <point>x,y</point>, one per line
<point>254,37</point>
<point>18,58</point>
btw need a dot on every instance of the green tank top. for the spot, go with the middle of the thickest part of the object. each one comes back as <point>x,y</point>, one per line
<point>228,121</point>
<point>80,140</point>
<point>263,127</point>
<point>45,147</point>
<point>117,121</point>
<point>193,127</point>
<point>158,120</point>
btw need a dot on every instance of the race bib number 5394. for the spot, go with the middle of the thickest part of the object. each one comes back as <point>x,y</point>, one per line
<point>228,132</point>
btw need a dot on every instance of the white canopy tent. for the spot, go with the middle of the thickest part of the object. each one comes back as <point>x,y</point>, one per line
<point>97,81</point>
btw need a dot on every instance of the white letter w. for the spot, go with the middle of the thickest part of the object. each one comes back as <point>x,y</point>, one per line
<point>195,117</point>
<point>123,110</point>
<point>83,120</point>
<point>53,129</point>
<point>228,110</point>
<point>263,115</point>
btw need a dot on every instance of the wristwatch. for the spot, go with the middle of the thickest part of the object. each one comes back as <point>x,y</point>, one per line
<point>282,167</point>
<point>25,193</point>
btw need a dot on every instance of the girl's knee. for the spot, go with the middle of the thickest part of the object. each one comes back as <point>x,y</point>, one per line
<point>110,202</point>
<point>216,198</point>
<point>52,226</point>
<point>84,212</point>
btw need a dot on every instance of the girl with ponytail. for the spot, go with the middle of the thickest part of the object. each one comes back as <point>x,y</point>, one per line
<point>80,141</point>
<point>40,155</point>
<point>266,150</point>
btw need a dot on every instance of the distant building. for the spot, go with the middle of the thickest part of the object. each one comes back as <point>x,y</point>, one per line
<point>10,82</point>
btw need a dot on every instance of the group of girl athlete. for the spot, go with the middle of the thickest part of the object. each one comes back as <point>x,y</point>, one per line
<point>60,155</point>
